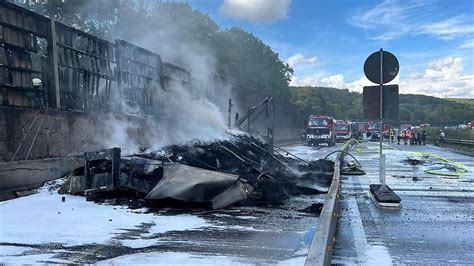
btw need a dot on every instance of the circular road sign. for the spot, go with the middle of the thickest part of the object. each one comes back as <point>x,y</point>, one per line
<point>372,67</point>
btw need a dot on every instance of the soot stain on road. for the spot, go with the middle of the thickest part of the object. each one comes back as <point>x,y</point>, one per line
<point>255,234</point>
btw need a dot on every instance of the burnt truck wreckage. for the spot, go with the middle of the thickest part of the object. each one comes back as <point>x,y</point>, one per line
<point>212,175</point>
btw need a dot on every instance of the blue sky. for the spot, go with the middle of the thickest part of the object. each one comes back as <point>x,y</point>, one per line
<point>327,41</point>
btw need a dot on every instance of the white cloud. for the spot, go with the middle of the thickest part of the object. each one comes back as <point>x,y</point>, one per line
<point>449,28</point>
<point>300,59</point>
<point>388,19</point>
<point>469,44</point>
<point>441,78</point>
<point>334,81</point>
<point>256,11</point>
<point>392,19</point>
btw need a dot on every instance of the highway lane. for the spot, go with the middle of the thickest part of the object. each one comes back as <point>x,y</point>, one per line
<point>42,228</point>
<point>434,225</point>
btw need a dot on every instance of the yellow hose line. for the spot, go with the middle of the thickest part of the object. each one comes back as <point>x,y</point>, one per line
<point>427,155</point>
<point>432,172</point>
<point>459,166</point>
<point>348,142</point>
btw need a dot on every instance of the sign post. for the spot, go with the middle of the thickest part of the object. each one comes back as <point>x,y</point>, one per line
<point>382,158</point>
<point>381,67</point>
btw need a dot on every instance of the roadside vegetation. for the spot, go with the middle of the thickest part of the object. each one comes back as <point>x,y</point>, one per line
<point>414,109</point>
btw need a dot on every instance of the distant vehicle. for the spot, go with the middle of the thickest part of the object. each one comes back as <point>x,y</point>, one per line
<point>425,125</point>
<point>343,130</point>
<point>375,131</point>
<point>471,124</point>
<point>359,129</point>
<point>321,129</point>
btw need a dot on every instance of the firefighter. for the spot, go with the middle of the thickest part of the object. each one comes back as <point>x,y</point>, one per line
<point>392,135</point>
<point>405,137</point>
<point>419,138</point>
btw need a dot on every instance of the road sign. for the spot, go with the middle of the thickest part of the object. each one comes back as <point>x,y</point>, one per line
<point>371,100</point>
<point>390,67</point>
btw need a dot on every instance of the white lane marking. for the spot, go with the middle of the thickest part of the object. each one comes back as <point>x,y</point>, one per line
<point>360,239</point>
<point>371,254</point>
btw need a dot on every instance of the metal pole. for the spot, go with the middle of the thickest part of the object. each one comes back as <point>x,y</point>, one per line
<point>273,123</point>
<point>248,119</point>
<point>382,157</point>
<point>55,58</point>
<point>46,101</point>
<point>230,112</point>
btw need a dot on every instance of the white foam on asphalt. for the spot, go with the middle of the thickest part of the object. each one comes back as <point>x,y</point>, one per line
<point>378,255</point>
<point>172,258</point>
<point>43,218</point>
<point>30,259</point>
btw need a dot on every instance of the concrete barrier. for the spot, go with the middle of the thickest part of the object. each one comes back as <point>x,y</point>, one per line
<point>321,249</point>
<point>24,175</point>
<point>288,142</point>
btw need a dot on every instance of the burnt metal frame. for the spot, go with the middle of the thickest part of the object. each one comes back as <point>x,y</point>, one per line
<point>109,154</point>
<point>84,61</point>
<point>19,29</point>
<point>140,73</point>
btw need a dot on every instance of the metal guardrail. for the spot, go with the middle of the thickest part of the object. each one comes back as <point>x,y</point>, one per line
<point>459,141</point>
<point>321,249</point>
<point>453,141</point>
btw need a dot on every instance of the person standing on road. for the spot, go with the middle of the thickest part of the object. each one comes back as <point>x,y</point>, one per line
<point>441,136</point>
<point>399,137</point>
<point>418,137</point>
<point>409,136</point>
<point>423,137</point>
<point>392,135</point>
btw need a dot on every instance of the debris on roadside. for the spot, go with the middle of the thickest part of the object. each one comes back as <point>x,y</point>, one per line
<point>314,208</point>
<point>413,161</point>
<point>435,165</point>
<point>211,174</point>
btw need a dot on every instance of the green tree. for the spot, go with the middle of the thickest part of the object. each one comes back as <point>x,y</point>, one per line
<point>248,61</point>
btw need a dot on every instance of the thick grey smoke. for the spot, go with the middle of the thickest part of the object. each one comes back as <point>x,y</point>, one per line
<point>184,114</point>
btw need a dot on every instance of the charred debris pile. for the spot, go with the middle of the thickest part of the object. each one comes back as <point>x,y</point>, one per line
<point>212,174</point>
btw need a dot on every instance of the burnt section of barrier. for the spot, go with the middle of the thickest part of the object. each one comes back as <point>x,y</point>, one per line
<point>105,163</point>
<point>215,174</point>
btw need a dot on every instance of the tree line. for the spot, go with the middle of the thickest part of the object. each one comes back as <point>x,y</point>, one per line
<point>414,109</point>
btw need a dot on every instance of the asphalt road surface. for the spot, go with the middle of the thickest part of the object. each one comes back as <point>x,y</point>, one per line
<point>41,228</point>
<point>434,225</point>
